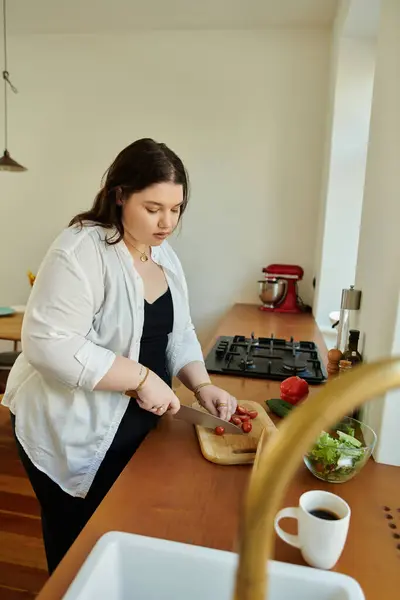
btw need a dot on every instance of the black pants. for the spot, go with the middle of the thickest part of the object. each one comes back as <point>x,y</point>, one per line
<point>64,516</point>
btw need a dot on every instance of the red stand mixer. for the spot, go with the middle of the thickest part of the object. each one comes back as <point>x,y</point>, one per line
<point>278,289</point>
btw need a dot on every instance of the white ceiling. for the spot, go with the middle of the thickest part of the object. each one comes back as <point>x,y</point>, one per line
<point>95,16</point>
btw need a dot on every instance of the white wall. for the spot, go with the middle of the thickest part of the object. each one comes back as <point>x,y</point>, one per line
<point>336,36</point>
<point>245,110</point>
<point>345,188</point>
<point>378,274</point>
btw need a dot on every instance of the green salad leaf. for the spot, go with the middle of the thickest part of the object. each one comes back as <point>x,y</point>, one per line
<point>346,428</point>
<point>334,457</point>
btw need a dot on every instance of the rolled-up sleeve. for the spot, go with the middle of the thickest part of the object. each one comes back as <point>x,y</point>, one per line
<point>186,350</point>
<point>59,316</point>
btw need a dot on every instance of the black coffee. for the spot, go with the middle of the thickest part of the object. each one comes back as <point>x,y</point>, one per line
<point>322,513</point>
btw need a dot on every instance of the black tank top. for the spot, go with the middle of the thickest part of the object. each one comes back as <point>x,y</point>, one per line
<point>158,323</point>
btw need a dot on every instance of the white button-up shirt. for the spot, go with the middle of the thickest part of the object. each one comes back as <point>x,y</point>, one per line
<point>86,307</point>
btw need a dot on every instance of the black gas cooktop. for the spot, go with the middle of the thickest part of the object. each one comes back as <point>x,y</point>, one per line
<point>266,358</point>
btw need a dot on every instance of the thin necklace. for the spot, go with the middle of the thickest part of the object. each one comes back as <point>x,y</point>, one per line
<point>143,255</point>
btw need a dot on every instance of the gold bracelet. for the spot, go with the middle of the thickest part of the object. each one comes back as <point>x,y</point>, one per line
<point>201,385</point>
<point>141,384</point>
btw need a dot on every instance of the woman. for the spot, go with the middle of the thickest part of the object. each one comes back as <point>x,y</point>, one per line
<point>108,313</point>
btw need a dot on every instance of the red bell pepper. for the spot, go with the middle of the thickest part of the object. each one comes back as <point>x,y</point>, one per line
<point>294,389</point>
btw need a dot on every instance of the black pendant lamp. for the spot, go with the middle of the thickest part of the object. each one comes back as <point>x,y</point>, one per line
<point>6,162</point>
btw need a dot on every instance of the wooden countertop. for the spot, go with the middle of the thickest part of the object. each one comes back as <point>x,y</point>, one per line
<point>168,490</point>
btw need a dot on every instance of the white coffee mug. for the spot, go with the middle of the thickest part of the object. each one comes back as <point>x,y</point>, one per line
<point>320,540</point>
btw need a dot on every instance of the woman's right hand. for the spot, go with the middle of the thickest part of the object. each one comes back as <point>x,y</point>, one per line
<point>157,397</point>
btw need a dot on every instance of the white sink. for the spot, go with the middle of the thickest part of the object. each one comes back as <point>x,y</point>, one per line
<point>124,566</point>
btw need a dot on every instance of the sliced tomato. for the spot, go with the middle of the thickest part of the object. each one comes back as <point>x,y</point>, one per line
<point>252,414</point>
<point>241,410</point>
<point>247,427</point>
<point>244,418</point>
<point>236,420</point>
<point>219,431</point>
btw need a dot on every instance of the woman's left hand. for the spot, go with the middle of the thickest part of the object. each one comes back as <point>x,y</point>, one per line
<point>217,401</point>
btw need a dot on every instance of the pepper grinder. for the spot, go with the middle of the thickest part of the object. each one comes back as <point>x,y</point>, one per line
<point>350,303</point>
<point>334,357</point>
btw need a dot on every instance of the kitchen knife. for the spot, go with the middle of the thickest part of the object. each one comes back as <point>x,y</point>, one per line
<point>205,419</point>
<point>199,417</point>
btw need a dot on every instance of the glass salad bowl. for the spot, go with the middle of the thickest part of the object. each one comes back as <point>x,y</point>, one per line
<point>341,453</point>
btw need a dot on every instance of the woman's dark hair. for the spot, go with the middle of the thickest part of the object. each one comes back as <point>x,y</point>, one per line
<point>139,166</point>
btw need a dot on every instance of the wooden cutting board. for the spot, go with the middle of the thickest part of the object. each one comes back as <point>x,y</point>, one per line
<point>223,450</point>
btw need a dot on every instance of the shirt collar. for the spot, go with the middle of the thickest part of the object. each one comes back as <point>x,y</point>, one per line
<point>160,256</point>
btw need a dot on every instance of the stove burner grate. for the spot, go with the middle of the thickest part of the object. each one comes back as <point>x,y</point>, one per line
<point>266,358</point>
<point>294,364</point>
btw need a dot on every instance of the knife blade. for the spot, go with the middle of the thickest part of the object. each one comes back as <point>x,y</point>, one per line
<point>198,417</point>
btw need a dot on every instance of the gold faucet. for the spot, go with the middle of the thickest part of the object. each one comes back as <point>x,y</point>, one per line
<point>278,460</point>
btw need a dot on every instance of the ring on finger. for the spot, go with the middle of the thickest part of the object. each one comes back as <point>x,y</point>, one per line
<point>222,404</point>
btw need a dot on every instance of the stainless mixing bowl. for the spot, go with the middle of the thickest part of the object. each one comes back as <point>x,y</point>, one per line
<point>272,292</point>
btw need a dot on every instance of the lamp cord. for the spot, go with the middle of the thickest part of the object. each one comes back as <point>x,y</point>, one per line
<point>6,76</point>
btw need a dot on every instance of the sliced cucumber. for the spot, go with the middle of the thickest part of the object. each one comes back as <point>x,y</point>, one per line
<point>349,438</point>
